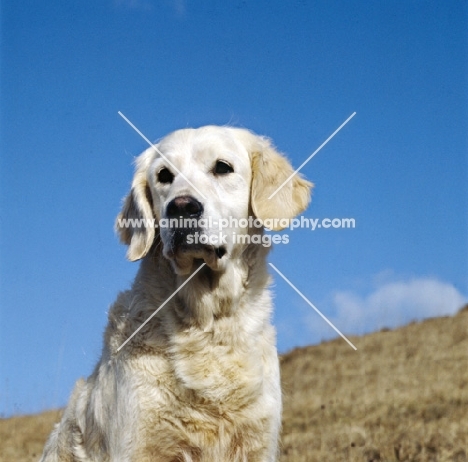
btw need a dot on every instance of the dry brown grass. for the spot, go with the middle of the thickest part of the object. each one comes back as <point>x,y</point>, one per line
<point>22,438</point>
<point>403,396</point>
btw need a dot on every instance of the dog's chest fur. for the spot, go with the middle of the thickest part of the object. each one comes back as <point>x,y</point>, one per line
<point>202,374</point>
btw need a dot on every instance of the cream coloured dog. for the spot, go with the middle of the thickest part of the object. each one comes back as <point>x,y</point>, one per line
<point>199,382</point>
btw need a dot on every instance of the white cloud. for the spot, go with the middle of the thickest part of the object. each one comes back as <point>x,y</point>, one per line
<point>179,7</point>
<point>390,304</point>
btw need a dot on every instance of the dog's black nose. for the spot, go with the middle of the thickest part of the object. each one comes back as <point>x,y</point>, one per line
<point>185,207</point>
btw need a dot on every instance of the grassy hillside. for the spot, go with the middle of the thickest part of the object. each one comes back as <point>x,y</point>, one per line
<point>403,396</point>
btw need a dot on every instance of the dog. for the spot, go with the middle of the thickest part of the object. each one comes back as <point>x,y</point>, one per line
<point>189,370</point>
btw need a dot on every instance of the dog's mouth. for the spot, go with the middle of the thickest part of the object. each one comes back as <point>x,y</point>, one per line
<point>220,251</point>
<point>188,249</point>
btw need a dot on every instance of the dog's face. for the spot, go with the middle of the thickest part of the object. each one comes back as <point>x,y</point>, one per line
<point>198,178</point>
<point>199,186</point>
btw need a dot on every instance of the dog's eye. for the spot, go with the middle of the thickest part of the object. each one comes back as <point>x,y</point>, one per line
<point>165,176</point>
<point>222,168</point>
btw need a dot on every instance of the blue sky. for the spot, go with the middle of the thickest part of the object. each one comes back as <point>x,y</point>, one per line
<point>293,71</point>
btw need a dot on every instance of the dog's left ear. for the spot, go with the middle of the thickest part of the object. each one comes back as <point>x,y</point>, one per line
<point>269,170</point>
<point>135,223</point>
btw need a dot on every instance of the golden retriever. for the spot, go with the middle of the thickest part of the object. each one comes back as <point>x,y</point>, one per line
<point>199,381</point>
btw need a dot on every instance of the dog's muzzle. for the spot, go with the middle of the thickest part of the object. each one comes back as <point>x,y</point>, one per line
<point>184,207</point>
<point>185,236</point>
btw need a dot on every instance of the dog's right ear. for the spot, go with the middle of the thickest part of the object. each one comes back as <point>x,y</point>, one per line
<point>135,223</point>
<point>273,196</point>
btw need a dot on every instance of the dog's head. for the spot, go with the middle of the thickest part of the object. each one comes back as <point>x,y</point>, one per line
<point>199,187</point>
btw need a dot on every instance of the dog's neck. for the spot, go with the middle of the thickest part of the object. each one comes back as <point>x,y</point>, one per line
<point>209,295</point>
